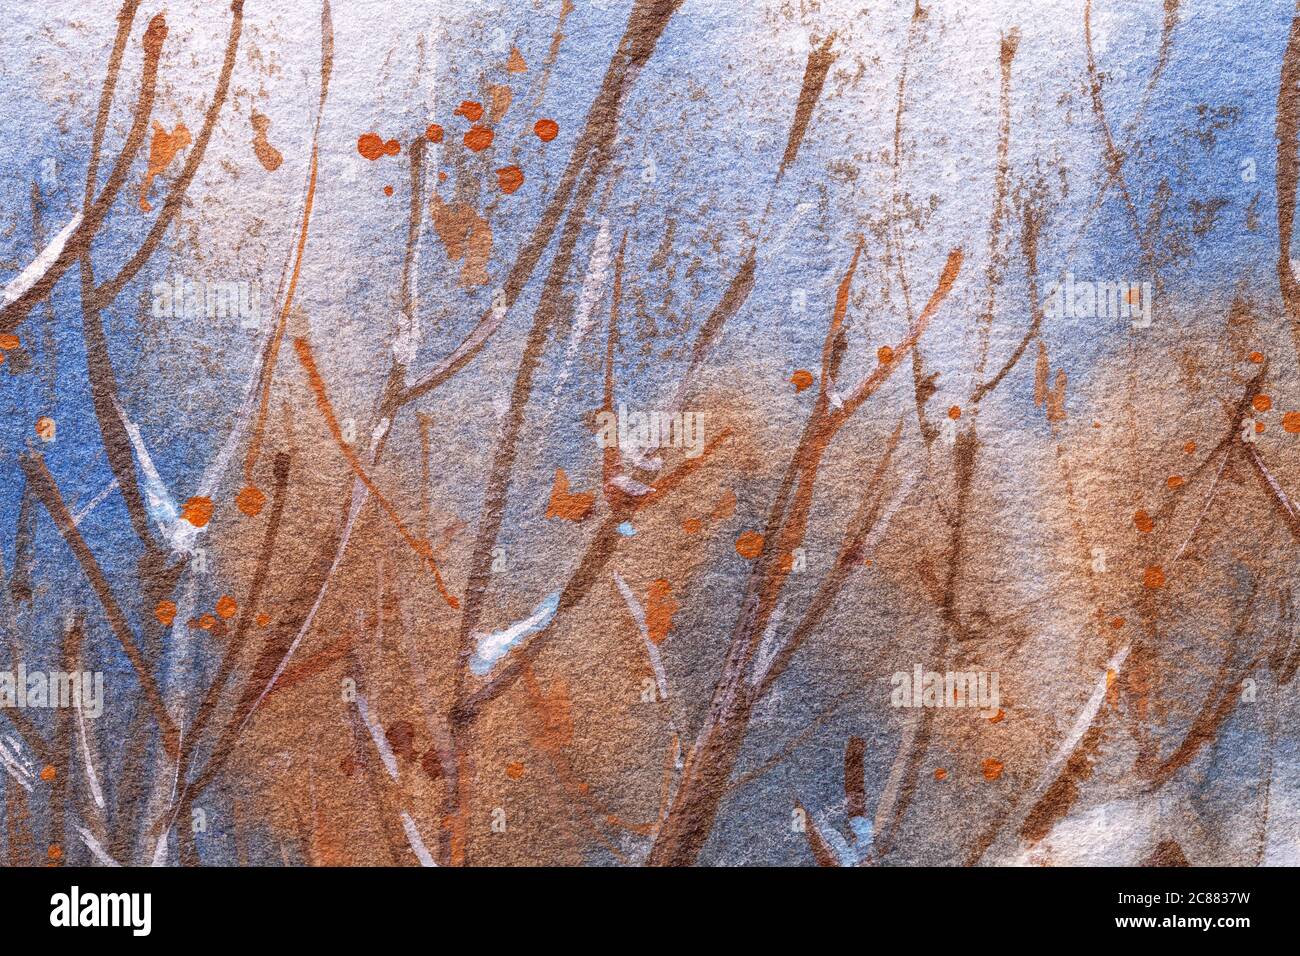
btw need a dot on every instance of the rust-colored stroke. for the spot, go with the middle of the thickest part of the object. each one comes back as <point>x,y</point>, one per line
<point>267,374</point>
<point>814,78</point>
<point>47,490</point>
<point>420,546</point>
<point>1288,164</point>
<point>110,289</point>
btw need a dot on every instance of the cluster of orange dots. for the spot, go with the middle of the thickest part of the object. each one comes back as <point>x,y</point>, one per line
<point>476,139</point>
<point>1153,576</point>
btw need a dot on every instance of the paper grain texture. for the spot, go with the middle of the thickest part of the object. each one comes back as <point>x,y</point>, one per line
<point>741,432</point>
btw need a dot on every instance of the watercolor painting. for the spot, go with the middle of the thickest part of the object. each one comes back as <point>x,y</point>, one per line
<point>649,432</point>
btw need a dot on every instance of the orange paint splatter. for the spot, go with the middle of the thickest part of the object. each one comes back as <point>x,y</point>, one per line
<point>501,97</point>
<point>1153,577</point>
<point>263,619</point>
<point>955,412</point>
<point>1117,623</point>
<point>801,379</point>
<point>567,505</point>
<point>45,428</point>
<point>207,622</point>
<point>250,500</point>
<point>54,853</point>
<point>749,545</point>
<point>1175,482</point>
<point>226,606</point>
<point>434,133</point>
<point>546,129</point>
<point>510,178</point>
<point>1291,423</point>
<point>197,511</point>
<point>469,109</point>
<point>992,768</point>
<point>692,525</point>
<point>884,355</point>
<point>48,773</point>
<point>998,717</point>
<point>478,138</point>
<point>1190,447</point>
<point>1257,357</point>
<point>660,607</point>
<point>9,342</point>
<point>1259,428</point>
<point>165,612</point>
<point>266,154</point>
<point>516,62</point>
<point>371,146</point>
<point>162,150</point>
<point>514,770</point>
<point>465,235</point>
<point>1262,403</point>
<point>941,774</point>
<point>388,190</point>
<point>1142,521</point>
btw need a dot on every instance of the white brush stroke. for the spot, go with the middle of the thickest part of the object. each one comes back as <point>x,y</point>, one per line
<point>492,647</point>
<point>41,264</point>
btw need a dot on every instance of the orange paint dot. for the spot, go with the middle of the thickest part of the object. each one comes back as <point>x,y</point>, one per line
<point>955,412</point>
<point>941,774</point>
<point>48,773</point>
<point>1257,357</point>
<point>54,853</point>
<point>371,146</point>
<point>546,129</point>
<point>1259,428</point>
<point>884,355</point>
<point>471,110</point>
<point>1153,577</point>
<point>226,606</point>
<point>692,525</point>
<point>1142,521</point>
<point>1291,423</point>
<point>998,717</point>
<point>207,622</point>
<point>510,178</point>
<point>1175,482</point>
<point>515,770</point>
<point>801,379</point>
<point>1262,403</point>
<point>197,511</point>
<point>9,342</point>
<point>250,500</point>
<point>1190,447</point>
<point>478,138</point>
<point>165,612</point>
<point>434,133</point>
<point>45,428</point>
<point>1117,623</point>
<point>992,768</point>
<point>749,545</point>
<point>388,190</point>
<point>263,619</point>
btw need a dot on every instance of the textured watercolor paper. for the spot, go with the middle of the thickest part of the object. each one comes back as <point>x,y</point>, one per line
<point>649,432</point>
